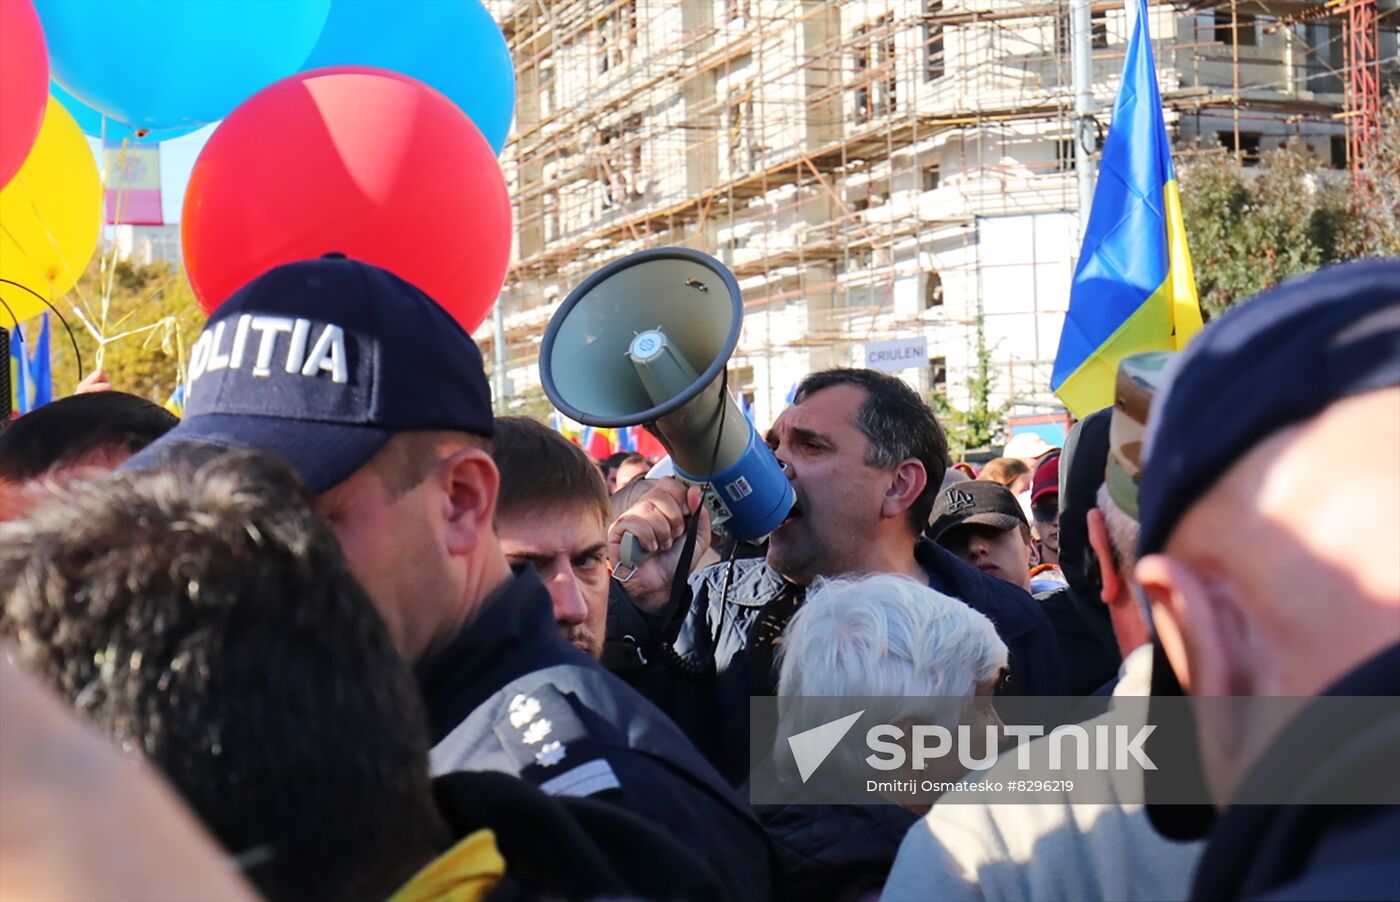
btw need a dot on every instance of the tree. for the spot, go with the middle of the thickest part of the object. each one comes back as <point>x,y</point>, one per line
<point>151,319</point>
<point>1251,228</point>
<point>980,425</point>
<point>1378,201</point>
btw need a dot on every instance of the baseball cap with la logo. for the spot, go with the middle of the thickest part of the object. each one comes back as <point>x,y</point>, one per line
<point>978,501</point>
<point>322,362</point>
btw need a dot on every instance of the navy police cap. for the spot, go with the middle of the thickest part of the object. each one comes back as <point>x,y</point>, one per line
<point>321,362</point>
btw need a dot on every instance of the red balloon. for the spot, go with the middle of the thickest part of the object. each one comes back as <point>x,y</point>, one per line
<point>367,162</point>
<point>24,83</point>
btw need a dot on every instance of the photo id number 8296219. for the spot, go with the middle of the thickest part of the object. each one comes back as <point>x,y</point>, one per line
<point>1040,785</point>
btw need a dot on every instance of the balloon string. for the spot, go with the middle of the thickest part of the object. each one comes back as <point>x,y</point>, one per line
<point>72,339</point>
<point>108,267</point>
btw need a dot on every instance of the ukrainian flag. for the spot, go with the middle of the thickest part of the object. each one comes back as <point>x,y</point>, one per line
<point>31,374</point>
<point>1133,289</point>
<point>176,402</point>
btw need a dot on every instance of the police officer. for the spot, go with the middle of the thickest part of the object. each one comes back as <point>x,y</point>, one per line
<point>379,400</point>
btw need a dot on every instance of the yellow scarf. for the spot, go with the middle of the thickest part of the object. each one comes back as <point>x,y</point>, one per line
<point>464,873</point>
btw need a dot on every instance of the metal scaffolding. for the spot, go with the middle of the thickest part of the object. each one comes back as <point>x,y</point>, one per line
<point>827,150</point>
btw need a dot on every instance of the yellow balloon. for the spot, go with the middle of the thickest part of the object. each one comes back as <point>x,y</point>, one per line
<point>50,217</point>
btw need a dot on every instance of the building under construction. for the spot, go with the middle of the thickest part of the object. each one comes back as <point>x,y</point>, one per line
<point>879,170</point>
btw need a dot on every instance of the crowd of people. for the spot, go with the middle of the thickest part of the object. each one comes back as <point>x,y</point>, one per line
<point>341,633</point>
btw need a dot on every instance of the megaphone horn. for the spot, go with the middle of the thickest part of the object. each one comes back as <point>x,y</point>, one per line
<point>646,339</point>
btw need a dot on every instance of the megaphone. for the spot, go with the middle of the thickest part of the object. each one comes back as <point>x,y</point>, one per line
<point>645,340</point>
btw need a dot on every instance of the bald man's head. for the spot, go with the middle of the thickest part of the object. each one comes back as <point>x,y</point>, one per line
<point>1279,582</point>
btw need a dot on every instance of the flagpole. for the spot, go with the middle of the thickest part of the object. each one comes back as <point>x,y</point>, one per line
<point>5,388</point>
<point>500,377</point>
<point>1082,78</point>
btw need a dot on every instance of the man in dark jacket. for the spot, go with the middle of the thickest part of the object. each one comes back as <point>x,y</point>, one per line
<point>1077,613</point>
<point>866,458</point>
<point>378,399</point>
<point>1266,580</point>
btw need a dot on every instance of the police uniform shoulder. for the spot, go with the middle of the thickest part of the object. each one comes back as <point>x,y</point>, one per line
<point>545,736</point>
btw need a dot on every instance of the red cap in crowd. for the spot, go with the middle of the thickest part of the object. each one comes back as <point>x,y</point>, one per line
<point>1047,477</point>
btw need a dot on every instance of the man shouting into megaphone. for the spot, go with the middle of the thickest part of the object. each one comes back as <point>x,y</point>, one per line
<point>865,456</point>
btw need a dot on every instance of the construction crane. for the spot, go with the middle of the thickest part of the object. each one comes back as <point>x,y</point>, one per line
<point>1361,63</point>
<point>1363,85</point>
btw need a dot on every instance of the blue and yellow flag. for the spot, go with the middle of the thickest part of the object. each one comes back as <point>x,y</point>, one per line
<point>31,371</point>
<point>176,402</point>
<point>1133,289</point>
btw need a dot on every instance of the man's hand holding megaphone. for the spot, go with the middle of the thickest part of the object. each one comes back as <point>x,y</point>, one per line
<point>645,340</point>
<point>658,522</point>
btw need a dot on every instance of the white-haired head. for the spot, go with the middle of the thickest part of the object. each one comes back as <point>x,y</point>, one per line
<point>887,635</point>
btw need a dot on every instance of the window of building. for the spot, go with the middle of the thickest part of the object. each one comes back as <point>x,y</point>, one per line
<point>933,290</point>
<point>860,204</point>
<point>860,62</point>
<point>874,64</point>
<point>620,161</point>
<point>1226,28</point>
<point>933,42</point>
<point>1064,155</point>
<point>1248,150</point>
<point>1098,31</point>
<point>1323,58</point>
<point>738,11</point>
<point>740,129</point>
<point>1339,151</point>
<point>1098,28</point>
<point>617,36</point>
<point>932,175</point>
<point>938,374</point>
<point>547,99</point>
<point>551,216</point>
<point>887,87</point>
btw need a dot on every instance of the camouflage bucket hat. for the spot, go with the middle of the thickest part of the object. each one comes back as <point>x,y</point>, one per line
<point>1140,378</point>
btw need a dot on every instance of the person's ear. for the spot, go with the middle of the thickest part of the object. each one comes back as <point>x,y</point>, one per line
<point>1111,584</point>
<point>908,483</point>
<point>1198,625</point>
<point>469,481</point>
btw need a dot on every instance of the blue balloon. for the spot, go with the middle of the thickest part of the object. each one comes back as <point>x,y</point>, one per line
<point>452,45</point>
<point>92,122</point>
<point>158,64</point>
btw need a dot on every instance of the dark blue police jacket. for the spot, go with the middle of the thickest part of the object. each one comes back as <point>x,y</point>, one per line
<point>510,694</point>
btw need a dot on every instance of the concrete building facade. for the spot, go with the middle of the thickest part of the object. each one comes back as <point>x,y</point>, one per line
<point>871,170</point>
